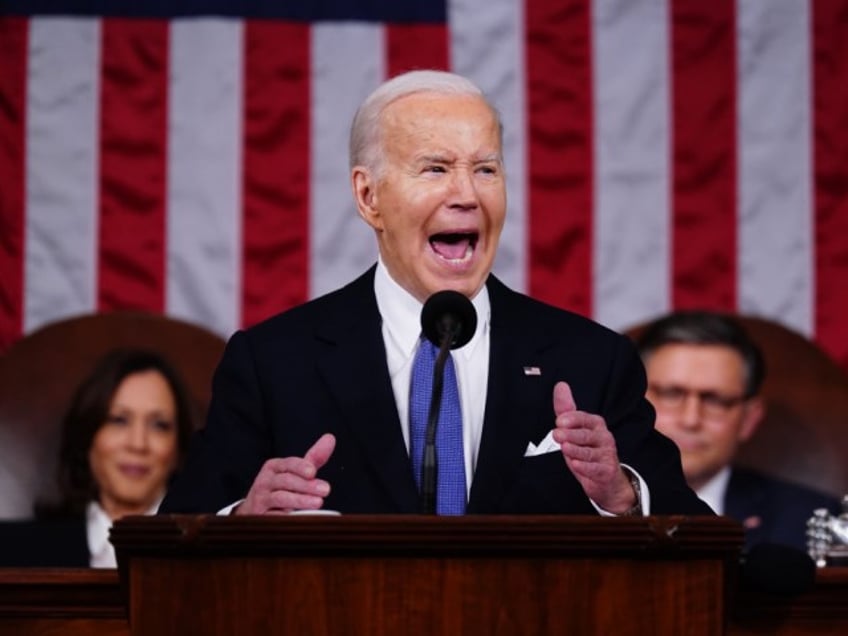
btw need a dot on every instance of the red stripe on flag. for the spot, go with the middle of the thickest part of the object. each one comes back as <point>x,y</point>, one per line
<point>14,40</point>
<point>416,46</point>
<point>830,61</point>
<point>560,154</point>
<point>704,154</point>
<point>133,154</point>
<point>276,168</point>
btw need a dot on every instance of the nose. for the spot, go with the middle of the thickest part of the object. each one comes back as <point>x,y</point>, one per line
<point>138,436</point>
<point>690,411</point>
<point>463,190</point>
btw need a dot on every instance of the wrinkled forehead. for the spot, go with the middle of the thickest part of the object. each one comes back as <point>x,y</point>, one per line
<point>420,114</point>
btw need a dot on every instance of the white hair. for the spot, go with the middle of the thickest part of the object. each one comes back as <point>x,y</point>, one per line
<point>364,147</point>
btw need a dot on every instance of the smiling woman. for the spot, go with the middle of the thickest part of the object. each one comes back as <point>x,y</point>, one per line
<point>135,449</point>
<point>122,438</point>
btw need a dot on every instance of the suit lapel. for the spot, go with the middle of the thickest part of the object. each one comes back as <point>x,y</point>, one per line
<point>516,401</point>
<point>355,370</point>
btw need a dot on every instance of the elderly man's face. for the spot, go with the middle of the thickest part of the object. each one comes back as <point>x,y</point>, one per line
<point>439,200</point>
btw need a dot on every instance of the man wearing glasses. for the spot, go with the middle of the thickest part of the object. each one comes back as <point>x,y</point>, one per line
<point>704,378</point>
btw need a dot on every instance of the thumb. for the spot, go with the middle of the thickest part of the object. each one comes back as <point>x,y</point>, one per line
<point>563,400</point>
<point>321,450</point>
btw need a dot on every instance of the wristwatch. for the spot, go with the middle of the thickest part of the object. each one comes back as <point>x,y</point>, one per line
<point>636,508</point>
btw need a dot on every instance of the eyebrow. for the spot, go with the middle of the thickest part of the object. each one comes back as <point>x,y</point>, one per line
<point>437,158</point>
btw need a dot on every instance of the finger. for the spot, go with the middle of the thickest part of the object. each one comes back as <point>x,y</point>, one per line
<point>290,482</point>
<point>563,400</point>
<point>307,465</point>
<point>321,450</point>
<point>597,472</point>
<point>586,454</point>
<point>289,501</point>
<point>300,466</point>
<point>263,498</point>
<point>581,420</point>
<point>577,437</point>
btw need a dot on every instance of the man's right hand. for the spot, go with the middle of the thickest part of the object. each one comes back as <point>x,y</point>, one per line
<point>285,484</point>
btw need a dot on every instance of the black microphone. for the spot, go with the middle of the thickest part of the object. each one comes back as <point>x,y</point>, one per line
<point>448,320</point>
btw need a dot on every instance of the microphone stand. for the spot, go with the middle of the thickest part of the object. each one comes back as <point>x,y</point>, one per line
<point>429,463</point>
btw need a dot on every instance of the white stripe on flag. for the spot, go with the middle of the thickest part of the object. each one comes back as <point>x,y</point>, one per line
<point>486,45</point>
<point>775,164</point>
<point>60,277</point>
<point>348,62</point>
<point>204,173</point>
<point>631,149</point>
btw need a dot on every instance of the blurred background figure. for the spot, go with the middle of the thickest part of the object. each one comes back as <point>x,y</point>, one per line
<point>704,379</point>
<point>123,436</point>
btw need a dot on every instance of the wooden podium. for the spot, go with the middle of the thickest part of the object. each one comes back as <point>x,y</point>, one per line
<point>392,575</point>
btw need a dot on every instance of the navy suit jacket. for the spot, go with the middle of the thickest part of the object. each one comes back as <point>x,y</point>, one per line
<point>772,510</point>
<point>321,367</point>
<point>44,543</point>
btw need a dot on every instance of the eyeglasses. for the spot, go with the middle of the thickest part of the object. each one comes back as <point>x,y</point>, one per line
<point>712,404</point>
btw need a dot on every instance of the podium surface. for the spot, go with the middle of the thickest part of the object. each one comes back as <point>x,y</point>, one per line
<point>426,575</point>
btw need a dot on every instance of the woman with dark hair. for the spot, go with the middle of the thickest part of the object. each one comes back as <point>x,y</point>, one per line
<point>123,437</point>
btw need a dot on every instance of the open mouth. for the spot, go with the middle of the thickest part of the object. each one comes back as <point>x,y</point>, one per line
<point>454,246</point>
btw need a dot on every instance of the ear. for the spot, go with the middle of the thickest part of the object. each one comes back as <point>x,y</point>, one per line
<point>365,192</point>
<point>755,411</point>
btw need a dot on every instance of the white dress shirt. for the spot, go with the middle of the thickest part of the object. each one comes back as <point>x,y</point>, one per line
<point>97,524</point>
<point>712,493</point>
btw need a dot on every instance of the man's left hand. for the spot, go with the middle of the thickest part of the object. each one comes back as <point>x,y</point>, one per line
<point>590,453</point>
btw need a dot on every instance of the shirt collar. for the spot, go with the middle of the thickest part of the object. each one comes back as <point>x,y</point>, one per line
<point>713,491</point>
<point>96,514</point>
<point>98,524</point>
<point>401,313</point>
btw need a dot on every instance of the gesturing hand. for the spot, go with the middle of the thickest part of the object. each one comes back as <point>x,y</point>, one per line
<point>590,453</point>
<point>285,484</point>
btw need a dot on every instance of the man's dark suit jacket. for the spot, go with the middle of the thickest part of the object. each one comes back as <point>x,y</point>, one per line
<point>772,510</point>
<point>321,368</point>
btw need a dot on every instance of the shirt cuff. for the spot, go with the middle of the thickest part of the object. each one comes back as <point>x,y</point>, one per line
<point>644,495</point>
<point>228,510</point>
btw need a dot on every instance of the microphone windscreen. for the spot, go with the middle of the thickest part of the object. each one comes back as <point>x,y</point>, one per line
<point>778,569</point>
<point>447,311</point>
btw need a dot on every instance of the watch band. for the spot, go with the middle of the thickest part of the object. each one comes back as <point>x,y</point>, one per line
<point>635,509</point>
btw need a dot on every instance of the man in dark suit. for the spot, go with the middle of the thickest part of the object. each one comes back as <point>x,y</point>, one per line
<point>311,408</point>
<point>704,379</point>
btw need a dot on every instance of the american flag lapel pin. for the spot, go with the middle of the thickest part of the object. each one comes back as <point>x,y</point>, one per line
<point>532,371</point>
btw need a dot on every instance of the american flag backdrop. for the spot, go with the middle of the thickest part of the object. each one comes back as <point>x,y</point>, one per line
<point>191,158</point>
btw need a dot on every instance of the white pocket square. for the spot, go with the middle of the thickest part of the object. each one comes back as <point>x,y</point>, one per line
<point>547,445</point>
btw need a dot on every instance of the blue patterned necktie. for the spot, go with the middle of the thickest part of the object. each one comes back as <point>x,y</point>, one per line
<point>450,461</point>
